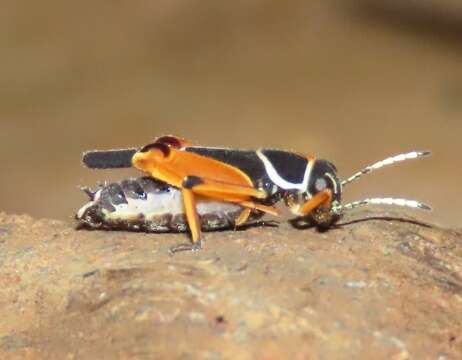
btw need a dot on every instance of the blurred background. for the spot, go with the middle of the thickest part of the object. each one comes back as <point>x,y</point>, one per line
<point>352,81</point>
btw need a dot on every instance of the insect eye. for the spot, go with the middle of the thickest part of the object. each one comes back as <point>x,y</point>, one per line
<point>320,184</point>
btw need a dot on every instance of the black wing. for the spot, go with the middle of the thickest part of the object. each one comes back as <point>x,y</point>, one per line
<point>245,160</point>
<point>108,159</point>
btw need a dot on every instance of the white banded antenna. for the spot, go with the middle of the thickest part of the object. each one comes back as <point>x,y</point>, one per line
<point>388,161</point>
<point>338,209</point>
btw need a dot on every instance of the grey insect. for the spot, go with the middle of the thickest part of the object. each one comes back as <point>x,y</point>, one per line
<point>146,204</point>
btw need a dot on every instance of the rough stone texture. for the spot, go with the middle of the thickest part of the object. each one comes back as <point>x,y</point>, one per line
<point>383,288</point>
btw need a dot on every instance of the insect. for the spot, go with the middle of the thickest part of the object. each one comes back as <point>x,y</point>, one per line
<point>146,204</point>
<point>252,181</point>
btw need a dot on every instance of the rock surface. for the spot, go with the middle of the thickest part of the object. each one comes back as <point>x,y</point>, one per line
<point>382,288</point>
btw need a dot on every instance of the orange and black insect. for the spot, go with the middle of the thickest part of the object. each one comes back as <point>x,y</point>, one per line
<point>251,182</point>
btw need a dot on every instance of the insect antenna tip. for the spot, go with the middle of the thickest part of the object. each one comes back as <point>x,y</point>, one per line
<point>425,207</point>
<point>424,153</point>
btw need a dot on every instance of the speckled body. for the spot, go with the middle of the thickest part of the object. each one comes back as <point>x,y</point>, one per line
<point>148,205</point>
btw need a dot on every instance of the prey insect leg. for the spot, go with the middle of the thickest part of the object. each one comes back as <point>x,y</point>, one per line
<point>243,216</point>
<point>266,209</point>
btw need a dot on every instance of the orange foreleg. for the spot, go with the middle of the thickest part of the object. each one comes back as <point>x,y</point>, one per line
<point>320,199</point>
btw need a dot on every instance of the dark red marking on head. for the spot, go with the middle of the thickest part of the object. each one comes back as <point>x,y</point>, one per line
<point>160,146</point>
<point>171,141</point>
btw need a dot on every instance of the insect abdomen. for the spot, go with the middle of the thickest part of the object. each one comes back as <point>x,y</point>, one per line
<point>148,205</point>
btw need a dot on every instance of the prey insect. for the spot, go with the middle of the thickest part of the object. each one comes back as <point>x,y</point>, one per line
<point>148,205</point>
<point>239,185</point>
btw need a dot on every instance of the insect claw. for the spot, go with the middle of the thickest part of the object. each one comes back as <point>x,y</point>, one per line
<point>185,247</point>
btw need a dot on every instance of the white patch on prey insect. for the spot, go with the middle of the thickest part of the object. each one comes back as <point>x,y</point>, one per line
<point>158,204</point>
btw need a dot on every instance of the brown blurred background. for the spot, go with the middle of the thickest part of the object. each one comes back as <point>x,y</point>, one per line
<point>351,81</point>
